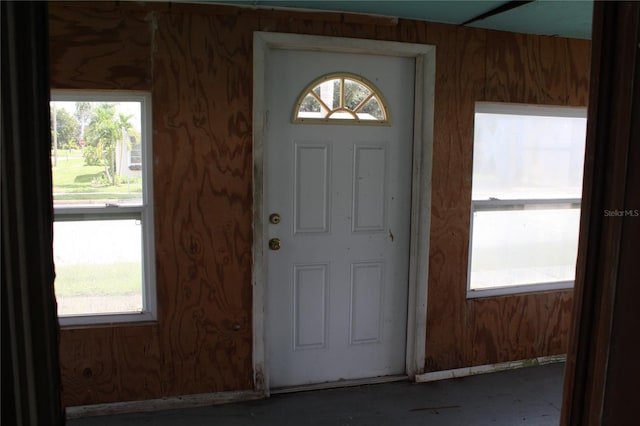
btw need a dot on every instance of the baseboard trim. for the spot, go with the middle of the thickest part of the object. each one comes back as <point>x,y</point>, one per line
<point>168,403</point>
<point>341,384</point>
<point>488,368</point>
<point>217,398</point>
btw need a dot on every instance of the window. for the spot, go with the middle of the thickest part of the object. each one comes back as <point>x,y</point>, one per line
<point>103,214</point>
<point>341,98</point>
<point>135,154</point>
<point>525,208</point>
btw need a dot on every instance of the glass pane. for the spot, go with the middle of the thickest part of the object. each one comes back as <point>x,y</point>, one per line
<point>96,153</point>
<point>310,104</point>
<point>355,93</point>
<point>329,92</point>
<point>359,102</point>
<point>518,247</point>
<point>310,108</point>
<point>527,156</point>
<point>98,266</point>
<point>371,111</point>
<point>337,92</point>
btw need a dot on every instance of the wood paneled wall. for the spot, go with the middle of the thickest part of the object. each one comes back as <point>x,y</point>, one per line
<point>474,65</point>
<point>197,62</point>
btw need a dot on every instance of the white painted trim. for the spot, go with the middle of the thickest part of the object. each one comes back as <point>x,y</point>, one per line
<point>144,211</point>
<point>425,59</point>
<point>530,109</point>
<point>501,205</point>
<point>480,293</point>
<point>260,374</point>
<point>169,403</point>
<point>488,368</point>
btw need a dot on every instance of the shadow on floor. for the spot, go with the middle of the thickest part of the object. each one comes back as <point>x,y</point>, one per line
<point>527,396</point>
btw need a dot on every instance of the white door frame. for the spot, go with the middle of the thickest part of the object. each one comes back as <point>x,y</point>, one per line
<point>425,59</point>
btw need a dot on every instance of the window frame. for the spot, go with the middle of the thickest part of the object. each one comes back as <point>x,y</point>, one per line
<point>328,119</point>
<point>519,204</point>
<point>143,212</point>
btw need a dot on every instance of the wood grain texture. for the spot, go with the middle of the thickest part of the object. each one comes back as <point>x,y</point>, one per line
<point>536,69</point>
<point>579,69</point>
<point>459,83</point>
<point>519,327</point>
<point>202,115</point>
<point>109,364</point>
<point>202,155</point>
<point>100,45</point>
<point>197,62</point>
<point>477,65</point>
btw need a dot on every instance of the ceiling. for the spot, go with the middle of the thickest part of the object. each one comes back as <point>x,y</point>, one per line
<point>565,18</point>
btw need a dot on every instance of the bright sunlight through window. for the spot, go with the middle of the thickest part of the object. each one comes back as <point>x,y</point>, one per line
<point>525,209</point>
<point>103,219</point>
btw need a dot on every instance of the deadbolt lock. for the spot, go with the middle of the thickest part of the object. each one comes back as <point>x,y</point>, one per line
<point>274,244</point>
<point>274,218</point>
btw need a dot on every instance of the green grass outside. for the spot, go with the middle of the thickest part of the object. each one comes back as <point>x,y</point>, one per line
<point>72,180</point>
<point>64,153</point>
<point>98,279</point>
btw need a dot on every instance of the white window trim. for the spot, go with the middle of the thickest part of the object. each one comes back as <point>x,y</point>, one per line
<point>530,109</point>
<point>489,205</point>
<point>144,211</point>
<point>501,205</point>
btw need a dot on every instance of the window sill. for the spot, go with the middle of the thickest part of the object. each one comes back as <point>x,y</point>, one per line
<point>519,289</point>
<point>106,320</point>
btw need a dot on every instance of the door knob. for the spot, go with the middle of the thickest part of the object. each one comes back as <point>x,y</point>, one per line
<point>274,218</point>
<point>274,244</point>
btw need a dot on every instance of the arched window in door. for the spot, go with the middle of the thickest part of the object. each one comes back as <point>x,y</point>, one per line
<point>341,98</point>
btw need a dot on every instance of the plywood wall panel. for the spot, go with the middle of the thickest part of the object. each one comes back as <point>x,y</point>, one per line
<point>202,159</point>
<point>100,46</point>
<point>87,366</point>
<point>508,68</point>
<point>197,62</point>
<point>509,327</point>
<point>577,78</point>
<point>412,31</point>
<point>459,82</point>
<point>109,364</point>
<point>531,69</point>
<point>202,108</point>
<point>460,75</point>
<point>514,70</point>
<point>138,355</point>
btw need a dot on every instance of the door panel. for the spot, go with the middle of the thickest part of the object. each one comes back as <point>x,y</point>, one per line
<point>336,290</point>
<point>369,188</point>
<point>312,188</point>
<point>367,289</point>
<point>309,306</point>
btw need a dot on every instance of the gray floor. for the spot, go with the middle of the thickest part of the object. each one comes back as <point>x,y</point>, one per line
<point>527,396</point>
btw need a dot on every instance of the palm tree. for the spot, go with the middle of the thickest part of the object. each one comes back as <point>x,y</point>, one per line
<point>102,133</point>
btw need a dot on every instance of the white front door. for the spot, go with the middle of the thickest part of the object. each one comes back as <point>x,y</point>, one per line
<point>336,290</point>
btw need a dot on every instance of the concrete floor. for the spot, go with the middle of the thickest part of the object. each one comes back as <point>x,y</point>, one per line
<point>527,396</point>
